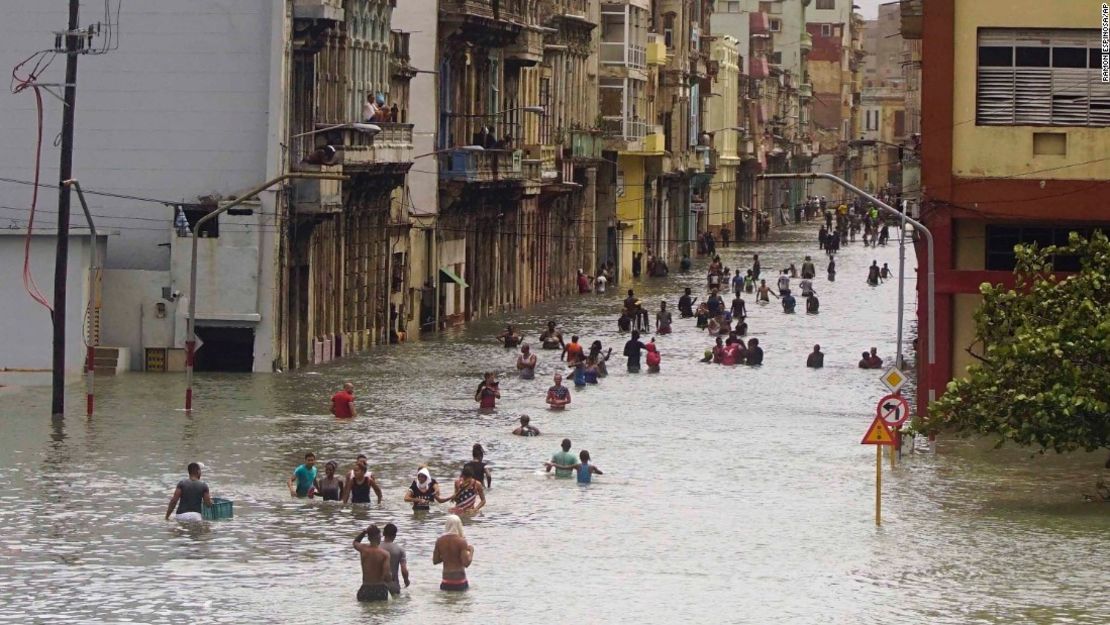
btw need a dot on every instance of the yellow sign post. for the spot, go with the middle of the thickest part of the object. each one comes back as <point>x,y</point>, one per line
<point>878,435</point>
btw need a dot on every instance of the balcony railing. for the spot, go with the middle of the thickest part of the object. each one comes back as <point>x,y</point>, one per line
<point>528,47</point>
<point>392,145</point>
<point>912,13</point>
<point>482,8</point>
<point>474,165</point>
<point>579,9</point>
<point>656,49</point>
<point>585,145</point>
<point>622,128</point>
<point>329,10</point>
<point>617,53</point>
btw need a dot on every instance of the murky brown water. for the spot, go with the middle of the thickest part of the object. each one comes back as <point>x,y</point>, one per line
<point>730,495</point>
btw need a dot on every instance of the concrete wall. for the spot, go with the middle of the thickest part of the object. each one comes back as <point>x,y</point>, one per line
<point>26,329</point>
<point>227,269</point>
<point>420,18</point>
<point>177,111</point>
<point>998,151</point>
<point>452,255</point>
<point>130,312</point>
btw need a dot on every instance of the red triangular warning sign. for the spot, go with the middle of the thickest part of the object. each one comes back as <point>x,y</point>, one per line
<point>878,434</point>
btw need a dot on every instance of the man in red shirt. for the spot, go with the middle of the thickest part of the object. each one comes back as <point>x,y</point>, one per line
<point>343,402</point>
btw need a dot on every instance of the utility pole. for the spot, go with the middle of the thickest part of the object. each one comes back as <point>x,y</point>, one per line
<point>61,258</point>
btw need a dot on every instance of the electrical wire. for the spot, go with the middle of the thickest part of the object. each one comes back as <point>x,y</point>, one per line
<point>18,84</point>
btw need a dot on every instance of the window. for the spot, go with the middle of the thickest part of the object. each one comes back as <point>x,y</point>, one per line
<point>1040,78</point>
<point>871,119</point>
<point>899,123</point>
<point>826,5</point>
<point>398,272</point>
<point>1002,239</point>
<point>668,30</point>
<point>730,6</point>
<point>776,25</point>
<point>776,58</point>
<point>826,30</point>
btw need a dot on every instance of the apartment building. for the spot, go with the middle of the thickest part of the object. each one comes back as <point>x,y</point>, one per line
<point>1013,149</point>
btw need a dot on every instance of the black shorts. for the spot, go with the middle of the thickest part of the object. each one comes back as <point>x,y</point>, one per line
<point>377,592</point>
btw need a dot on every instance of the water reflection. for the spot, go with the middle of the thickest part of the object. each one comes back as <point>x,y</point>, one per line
<point>731,495</point>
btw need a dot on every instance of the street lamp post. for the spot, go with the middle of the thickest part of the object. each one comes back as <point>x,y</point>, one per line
<point>191,322</point>
<point>930,268</point>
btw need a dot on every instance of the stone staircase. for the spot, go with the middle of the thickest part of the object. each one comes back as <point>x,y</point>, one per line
<point>111,360</point>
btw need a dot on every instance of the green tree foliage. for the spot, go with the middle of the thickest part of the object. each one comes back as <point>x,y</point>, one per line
<point>1044,377</point>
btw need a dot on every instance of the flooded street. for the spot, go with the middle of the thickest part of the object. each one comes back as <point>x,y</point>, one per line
<point>730,495</point>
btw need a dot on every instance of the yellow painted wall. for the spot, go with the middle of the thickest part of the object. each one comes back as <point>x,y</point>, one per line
<point>994,151</point>
<point>970,245</point>
<point>722,196</point>
<point>963,331</point>
<point>630,209</point>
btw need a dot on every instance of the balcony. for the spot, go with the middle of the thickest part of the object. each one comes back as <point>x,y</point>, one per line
<point>575,10</point>
<point>747,149</point>
<point>322,10</point>
<point>527,49</point>
<point>545,156</point>
<point>585,145</point>
<point>391,146</point>
<point>805,91</point>
<point>759,24</point>
<point>656,50</point>
<point>912,18</point>
<point>617,53</point>
<point>617,127</point>
<point>759,67</point>
<point>475,166</point>
<point>709,159</point>
<point>318,196</point>
<point>489,21</point>
<point>655,141</point>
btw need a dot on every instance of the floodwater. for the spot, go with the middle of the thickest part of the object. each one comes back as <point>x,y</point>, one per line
<point>730,495</point>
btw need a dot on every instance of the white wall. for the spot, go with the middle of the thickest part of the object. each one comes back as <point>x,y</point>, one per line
<point>178,111</point>
<point>420,17</point>
<point>129,312</point>
<point>26,330</point>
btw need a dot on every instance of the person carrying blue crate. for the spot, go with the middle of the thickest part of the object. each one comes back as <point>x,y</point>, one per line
<point>191,493</point>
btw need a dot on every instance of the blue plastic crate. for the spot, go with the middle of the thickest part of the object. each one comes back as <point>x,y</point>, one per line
<point>220,509</point>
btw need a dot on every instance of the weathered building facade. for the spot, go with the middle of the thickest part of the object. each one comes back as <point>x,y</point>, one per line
<point>346,244</point>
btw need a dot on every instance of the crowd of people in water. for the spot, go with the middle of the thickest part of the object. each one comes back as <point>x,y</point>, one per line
<point>383,560</point>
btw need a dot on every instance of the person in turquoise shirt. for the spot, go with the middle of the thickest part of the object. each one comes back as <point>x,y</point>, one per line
<point>583,469</point>
<point>304,476</point>
<point>562,459</point>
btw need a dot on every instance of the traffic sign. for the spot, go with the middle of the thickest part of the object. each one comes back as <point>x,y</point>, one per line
<point>893,410</point>
<point>893,379</point>
<point>878,434</point>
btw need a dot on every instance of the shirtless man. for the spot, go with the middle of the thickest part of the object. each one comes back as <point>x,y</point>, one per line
<point>526,363</point>
<point>454,553</point>
<point>375,565</point>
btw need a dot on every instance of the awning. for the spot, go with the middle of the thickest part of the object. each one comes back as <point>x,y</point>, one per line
<point>446,275</point>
